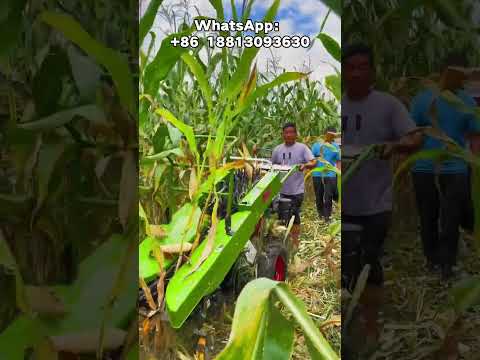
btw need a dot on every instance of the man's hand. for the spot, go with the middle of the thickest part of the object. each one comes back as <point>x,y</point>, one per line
<point>410,142</point>
<point>407,144</point>
<point>310,165</point>
<point>387,150</point>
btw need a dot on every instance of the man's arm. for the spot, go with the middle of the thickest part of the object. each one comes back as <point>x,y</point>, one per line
<point>410,142</point>
<point>309,165</point>
<point>410,139</point>
<point>311,161</point>
<point>407,144</point>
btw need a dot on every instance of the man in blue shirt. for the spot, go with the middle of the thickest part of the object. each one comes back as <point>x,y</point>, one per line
<point>442,188</point>
<point>325,181</point>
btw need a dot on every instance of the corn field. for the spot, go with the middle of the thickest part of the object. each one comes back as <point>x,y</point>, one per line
<point>422,318</point>
<point>68,145</point>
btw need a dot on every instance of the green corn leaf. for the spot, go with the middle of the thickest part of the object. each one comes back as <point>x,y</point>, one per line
<point>148,19</point>
<point>114,62</point>
<point>243,70</point>
<point>6,258</point>
<point>5,8</point>
<point>164,61</point>
<point>247,10</point>
<point>251,325</point>
<point>162,155</point>
<point>86,73</point>
<point>128,181</point>
<point>47,83</point>
<point>264,89</point>
<point>93,287</point>
<point>134,353</point>
<point>158,140</point>
<point>277,344</point>
<point>333,84</point>
<point>182,228</point>
<point>335,228</point>
<point>435,155</point>
<point>331,45</point>
<point>320,348</point>
<point>88,112</point>
<point>214,61</point>
<point>200,76</point>
<point>22,334</point>
<point>249,322</point>
<point>48,158</point>
<point>11,25</point>
<point>447,10</point>
<point>184,128</point>
<point>8,261</point>
<point>234,10</point>
<point>365,155</point>
<point>218,6</point>
<point>91,290</point>
<point>335,5</point>
<point>14,204</point>
<point>143,215</point>
<point>466,294</point>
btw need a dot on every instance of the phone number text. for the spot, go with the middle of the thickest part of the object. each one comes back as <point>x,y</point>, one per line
<point>244,42</point>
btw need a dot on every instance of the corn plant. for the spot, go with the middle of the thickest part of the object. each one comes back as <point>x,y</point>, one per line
<point>67,223</point>
<point>413,35</point>
<point>256,323</point>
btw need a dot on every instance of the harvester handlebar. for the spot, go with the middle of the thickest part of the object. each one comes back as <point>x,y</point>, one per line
<point>266,164</point>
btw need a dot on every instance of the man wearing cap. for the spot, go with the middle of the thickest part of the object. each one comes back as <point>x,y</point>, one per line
<point>442,188</point>
<point>325,180</point>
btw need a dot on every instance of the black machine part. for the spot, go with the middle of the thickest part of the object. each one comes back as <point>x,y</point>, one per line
<point>283,207</point>
<point>266,262</point>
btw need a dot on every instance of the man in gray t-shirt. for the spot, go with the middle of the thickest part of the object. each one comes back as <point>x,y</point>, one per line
<point>375,119</point>
<point>369,117</point>
<point>293,153</point>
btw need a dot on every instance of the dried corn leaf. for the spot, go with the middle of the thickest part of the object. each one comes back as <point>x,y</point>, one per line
<point>193,183</point>
<point>335,320</point>
<point>157,231</point>
<point>176,248</point>
<point>148,294</point>
<point>210,239</point>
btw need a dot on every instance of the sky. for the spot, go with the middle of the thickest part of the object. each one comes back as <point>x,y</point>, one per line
<point>296,17</point>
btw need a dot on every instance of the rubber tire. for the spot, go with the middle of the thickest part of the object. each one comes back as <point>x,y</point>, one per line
<point>232,281</point>
<point>266,261</point>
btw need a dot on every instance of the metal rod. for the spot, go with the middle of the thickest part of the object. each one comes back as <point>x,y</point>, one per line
<point>228,218</point>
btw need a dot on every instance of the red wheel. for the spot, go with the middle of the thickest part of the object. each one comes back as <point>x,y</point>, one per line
<point>280,269</point>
